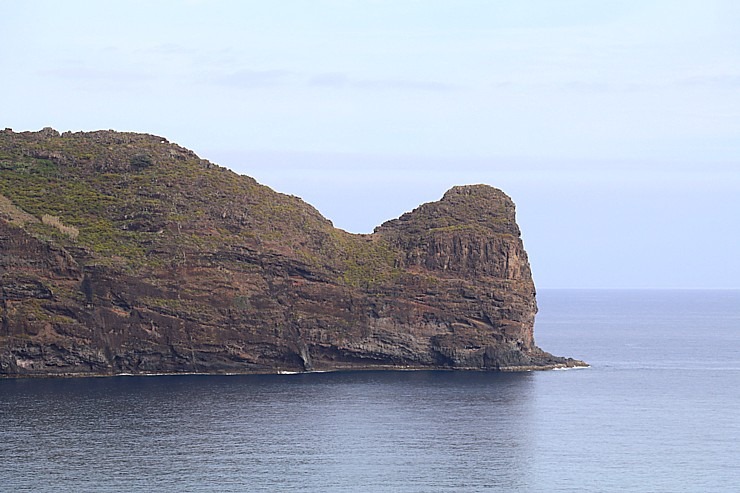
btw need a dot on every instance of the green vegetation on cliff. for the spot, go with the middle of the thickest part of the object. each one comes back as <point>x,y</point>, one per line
<point>125,252</point>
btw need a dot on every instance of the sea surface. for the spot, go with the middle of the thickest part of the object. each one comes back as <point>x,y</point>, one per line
<point>657,411</point>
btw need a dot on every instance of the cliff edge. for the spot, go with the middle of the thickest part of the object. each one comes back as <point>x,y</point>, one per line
<point>125,253</point>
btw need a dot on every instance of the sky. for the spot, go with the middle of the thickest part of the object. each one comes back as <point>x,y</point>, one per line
<point>614,124</point>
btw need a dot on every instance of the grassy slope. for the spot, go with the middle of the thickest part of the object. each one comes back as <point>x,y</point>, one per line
<point>140,202</point>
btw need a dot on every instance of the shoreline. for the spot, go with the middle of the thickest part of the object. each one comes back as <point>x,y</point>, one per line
<point>569,365</point>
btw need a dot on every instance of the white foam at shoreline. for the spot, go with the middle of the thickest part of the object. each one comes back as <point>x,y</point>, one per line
<point>563,368</point>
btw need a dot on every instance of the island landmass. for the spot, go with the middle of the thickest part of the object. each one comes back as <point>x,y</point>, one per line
<point>123,253</point>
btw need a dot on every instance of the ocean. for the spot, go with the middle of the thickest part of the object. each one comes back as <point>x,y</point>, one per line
<point>657,411</point>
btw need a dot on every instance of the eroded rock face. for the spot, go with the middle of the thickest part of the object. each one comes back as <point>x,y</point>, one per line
<point>158,261</point>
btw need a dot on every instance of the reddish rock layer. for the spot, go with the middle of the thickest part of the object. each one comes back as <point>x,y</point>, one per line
<point>123,253</point>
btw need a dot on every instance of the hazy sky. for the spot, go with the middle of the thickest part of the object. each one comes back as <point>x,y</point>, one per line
<point>613,124</point>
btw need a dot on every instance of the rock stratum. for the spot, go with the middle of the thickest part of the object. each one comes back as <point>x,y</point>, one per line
<point>124,253</point>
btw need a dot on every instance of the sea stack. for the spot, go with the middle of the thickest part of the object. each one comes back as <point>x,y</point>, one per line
<point>124,253</point>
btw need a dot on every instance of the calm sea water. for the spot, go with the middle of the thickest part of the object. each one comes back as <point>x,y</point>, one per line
<point>658,411</point>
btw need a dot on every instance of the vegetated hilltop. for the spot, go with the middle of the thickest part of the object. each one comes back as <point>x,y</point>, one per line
<point>124,253</point>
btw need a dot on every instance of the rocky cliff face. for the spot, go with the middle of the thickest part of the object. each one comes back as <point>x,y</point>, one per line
<point>124,253</point>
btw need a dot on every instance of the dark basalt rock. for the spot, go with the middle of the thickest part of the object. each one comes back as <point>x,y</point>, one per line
<point>124,253</point>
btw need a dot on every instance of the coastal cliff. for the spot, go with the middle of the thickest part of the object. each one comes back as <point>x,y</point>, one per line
<point>124,253</point>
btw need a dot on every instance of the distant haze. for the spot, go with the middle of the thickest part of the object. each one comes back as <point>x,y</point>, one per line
<point>614,125</point>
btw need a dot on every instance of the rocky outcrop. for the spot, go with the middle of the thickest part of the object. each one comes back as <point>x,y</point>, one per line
<point>124,253</point>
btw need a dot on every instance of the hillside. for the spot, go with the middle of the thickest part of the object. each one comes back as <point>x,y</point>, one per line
<point>124,253</point>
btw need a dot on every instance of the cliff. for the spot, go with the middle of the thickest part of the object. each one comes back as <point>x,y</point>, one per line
<point>124,253</point>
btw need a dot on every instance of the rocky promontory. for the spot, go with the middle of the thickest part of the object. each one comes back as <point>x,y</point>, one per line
<point>125,253</point>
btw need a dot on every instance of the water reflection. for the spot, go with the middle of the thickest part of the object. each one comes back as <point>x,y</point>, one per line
<point>378,431</point>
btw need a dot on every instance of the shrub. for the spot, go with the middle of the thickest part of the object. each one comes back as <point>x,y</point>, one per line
<point>141,161</point>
